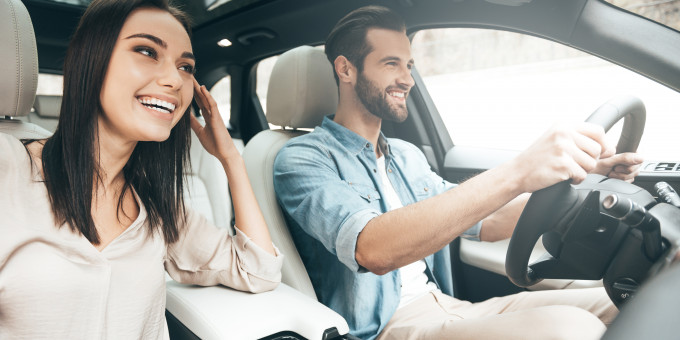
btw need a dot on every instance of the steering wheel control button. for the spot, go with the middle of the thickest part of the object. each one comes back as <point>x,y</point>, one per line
<point>624,288</point>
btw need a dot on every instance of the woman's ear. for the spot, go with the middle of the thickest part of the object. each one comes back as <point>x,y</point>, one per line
<point>345,70</point>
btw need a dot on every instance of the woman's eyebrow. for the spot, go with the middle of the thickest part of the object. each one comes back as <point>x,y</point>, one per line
<point>188,55</point>
<point>155,39</point>
<point>158,41</point>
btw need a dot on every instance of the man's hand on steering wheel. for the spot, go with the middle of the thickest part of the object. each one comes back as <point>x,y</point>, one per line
<point>624,166</point>
<point>562,153</point>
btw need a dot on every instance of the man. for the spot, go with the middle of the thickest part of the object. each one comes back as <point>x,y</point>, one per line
<point>372,222</point>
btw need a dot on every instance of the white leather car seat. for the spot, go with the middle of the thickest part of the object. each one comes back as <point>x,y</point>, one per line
<point>18,71</point>
<point>207,190</point>
<point>302,90</point>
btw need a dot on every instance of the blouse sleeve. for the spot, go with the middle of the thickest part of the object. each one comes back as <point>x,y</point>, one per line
<point>207,255</point>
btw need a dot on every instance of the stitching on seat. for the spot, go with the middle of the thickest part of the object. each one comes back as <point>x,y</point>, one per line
<point>17,57</point>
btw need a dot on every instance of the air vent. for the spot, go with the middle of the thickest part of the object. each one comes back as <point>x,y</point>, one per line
<point>662,167</point>
<point>665,167</point>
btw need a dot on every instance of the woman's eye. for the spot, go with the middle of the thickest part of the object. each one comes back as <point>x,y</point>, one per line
<point>147,51</point>
<point>188,68</point>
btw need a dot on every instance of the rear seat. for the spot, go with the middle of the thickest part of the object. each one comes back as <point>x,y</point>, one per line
<point>45,112</point>
<point>206,191</point>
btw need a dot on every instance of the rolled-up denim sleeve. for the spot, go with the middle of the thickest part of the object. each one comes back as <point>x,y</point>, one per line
<point>441,185</point>
<point>311,191</point>
<point>473,233</point>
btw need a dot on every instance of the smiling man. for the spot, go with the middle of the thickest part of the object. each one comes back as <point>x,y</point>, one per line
<point>372,221</point>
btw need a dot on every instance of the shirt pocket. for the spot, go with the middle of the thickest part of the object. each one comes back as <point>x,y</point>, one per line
<point>423,188</point>
<point>367,192</point>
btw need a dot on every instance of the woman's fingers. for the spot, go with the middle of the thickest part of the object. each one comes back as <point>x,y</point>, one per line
<point>195,124</point>
<point>199,96</point>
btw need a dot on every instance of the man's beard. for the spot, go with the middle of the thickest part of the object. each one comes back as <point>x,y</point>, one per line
<point>375,101</point>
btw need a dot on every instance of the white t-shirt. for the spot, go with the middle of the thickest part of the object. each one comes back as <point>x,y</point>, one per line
<point>414,281</point>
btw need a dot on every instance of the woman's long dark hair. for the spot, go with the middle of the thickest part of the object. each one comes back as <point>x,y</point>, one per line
<point>69,157</point>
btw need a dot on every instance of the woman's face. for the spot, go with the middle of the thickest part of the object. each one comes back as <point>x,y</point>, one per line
<point>149,81</point>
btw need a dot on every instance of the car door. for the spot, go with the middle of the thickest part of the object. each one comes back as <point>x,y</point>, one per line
<point>484,94</point>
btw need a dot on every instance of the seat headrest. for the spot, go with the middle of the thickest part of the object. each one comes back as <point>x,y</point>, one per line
<point>47,106</point>
<point>19,55</point>
<point>302,89</point>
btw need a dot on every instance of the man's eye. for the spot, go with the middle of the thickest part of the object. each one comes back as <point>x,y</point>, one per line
<point>147,51</point>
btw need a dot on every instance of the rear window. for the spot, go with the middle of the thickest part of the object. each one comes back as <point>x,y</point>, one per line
<point>50,84</point>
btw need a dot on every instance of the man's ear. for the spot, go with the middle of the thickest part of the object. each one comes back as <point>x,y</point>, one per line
<point>344,69</point>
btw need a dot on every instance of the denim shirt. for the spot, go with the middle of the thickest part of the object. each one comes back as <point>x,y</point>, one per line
<point>328,187</point>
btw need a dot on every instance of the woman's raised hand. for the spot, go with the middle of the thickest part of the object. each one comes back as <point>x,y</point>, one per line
<point>214,135</point>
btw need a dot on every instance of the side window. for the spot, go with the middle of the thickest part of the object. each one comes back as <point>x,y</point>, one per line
<point>502,90</point>
<point>221,91</point>
<point>50,84</point>
<point>264,72</point>
<point>665,11</point>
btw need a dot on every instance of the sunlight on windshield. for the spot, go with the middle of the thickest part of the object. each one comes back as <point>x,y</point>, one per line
<point>502,90</point>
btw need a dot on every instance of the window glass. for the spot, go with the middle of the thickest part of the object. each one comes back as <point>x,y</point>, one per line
<point>221,91</point>
<point>264,71</point>
<point>666,12</point>
<point>502,90</point>
<point>50,84</point>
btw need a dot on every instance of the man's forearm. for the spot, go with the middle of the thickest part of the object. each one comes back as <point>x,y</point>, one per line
<point>500,225</point>
<point>408,234</point>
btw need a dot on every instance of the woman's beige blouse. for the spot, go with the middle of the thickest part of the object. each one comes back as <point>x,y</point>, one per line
<point>54,284</point>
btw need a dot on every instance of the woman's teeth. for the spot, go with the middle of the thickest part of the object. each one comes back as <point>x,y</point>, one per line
<point>157,104</point>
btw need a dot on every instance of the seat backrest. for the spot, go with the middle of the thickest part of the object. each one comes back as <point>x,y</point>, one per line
<point>301,92</point>
<point>207,190</point>
<point>19,70</point>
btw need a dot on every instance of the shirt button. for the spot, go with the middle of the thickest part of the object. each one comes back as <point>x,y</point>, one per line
<point>374,170</point>
<point>368,145</point>
<point>389,170</point>
<point>426,189</point>
<point>369,197</point>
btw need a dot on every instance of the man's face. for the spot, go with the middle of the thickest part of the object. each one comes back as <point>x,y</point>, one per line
<point>384,83</point>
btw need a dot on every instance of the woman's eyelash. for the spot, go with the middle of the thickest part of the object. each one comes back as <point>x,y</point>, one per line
<point>188,68</point>
<point>150,52</point>
<point>147,51</point>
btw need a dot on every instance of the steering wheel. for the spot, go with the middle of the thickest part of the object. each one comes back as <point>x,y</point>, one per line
<point>547,207</point>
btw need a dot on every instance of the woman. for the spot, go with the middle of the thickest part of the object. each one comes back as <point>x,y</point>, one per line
<point>93,215</point>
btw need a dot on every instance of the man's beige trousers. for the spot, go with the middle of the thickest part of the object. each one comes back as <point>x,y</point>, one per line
<point>554,314</point>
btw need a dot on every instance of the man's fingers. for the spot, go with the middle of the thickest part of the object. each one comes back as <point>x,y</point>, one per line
<point>626,169</point>
<point>595,133</point>
<point>584,160</point>
<point>586,147</point>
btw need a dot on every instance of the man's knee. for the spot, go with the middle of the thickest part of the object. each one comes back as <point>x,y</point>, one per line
<point>568,322</point>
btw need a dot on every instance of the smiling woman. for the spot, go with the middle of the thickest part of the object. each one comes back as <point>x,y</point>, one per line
<point>98,207</point>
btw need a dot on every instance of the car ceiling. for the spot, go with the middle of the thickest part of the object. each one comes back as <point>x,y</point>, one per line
<point>258,29</point>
